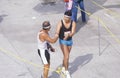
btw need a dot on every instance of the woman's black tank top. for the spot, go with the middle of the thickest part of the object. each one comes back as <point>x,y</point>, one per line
<point>65,30</point>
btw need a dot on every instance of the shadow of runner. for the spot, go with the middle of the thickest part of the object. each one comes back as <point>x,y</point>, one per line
<point>54,75</point>
<point>79,62</point>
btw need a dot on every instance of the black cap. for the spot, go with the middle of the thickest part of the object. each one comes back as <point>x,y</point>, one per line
<point>68,13</point>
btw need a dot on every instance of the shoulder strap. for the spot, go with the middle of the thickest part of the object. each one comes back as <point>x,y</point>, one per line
<point>71,24</point>
<point>62,22</point>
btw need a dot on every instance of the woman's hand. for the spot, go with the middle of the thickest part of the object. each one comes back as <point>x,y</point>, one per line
<point>66,36</point>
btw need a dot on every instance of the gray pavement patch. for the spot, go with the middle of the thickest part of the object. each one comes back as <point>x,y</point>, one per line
<point>90,7</point>
<point>112,6</point>
<point>22,74</point>
<point>48,9</point>
<point>49,3</point>
<point>80,61</point>
<point>1,19</point>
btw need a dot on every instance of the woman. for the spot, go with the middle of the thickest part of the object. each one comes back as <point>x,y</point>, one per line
<point>66,29</point>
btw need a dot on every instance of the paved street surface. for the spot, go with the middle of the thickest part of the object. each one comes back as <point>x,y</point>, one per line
<point>96,49</point>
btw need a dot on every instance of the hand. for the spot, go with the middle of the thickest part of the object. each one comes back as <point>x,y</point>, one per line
<point>66,36</point>
<point>52,49</point>
<point>56,35</point>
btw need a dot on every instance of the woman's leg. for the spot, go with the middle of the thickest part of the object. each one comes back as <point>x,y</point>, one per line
<point>61,46</point>
<point>66,51</point>
<point>66,60</point>
<point>69,47</point>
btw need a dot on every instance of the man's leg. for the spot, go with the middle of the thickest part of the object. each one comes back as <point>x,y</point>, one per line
<point>46,70</point>
<point>83,15</point>
<point>74,11</point>
<point>45,56</point>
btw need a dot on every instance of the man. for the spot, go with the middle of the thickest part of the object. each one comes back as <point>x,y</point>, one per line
<point>44,41</point>
<point>77,3</point>
<point>66,29</point>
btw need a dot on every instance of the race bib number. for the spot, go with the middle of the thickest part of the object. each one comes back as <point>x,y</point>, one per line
<point>66,33</point>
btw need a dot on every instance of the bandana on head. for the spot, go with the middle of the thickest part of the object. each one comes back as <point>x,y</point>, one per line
<point>67,16</point>
<point>68,13</point>
<point>46,26</point>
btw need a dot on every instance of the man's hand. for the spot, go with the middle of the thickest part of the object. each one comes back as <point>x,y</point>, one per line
<point>52,49</point>
<point>56,35</point>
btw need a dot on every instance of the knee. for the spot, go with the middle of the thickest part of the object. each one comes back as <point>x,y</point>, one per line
<point>47,66</point>
<point>66,57</point>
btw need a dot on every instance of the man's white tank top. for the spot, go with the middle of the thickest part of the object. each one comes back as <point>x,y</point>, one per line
<point>41,45</point>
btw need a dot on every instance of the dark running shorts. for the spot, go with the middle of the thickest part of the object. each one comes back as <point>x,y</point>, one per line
<point>45,56</point>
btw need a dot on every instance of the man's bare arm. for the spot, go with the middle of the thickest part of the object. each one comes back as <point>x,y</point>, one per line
<point>46,37</point>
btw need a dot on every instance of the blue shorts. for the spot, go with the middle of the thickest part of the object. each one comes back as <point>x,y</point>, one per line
<point>66,42</point>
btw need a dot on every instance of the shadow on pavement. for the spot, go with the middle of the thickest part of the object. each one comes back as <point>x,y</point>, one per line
<point>54,75</point>
<point>1,17</point>
<point>79,25</point>
<point>80,62</point>
<point>49,8</point>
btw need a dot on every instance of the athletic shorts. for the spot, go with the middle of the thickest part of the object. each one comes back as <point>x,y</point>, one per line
<point>45,56</point>
<point>66,42</point>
